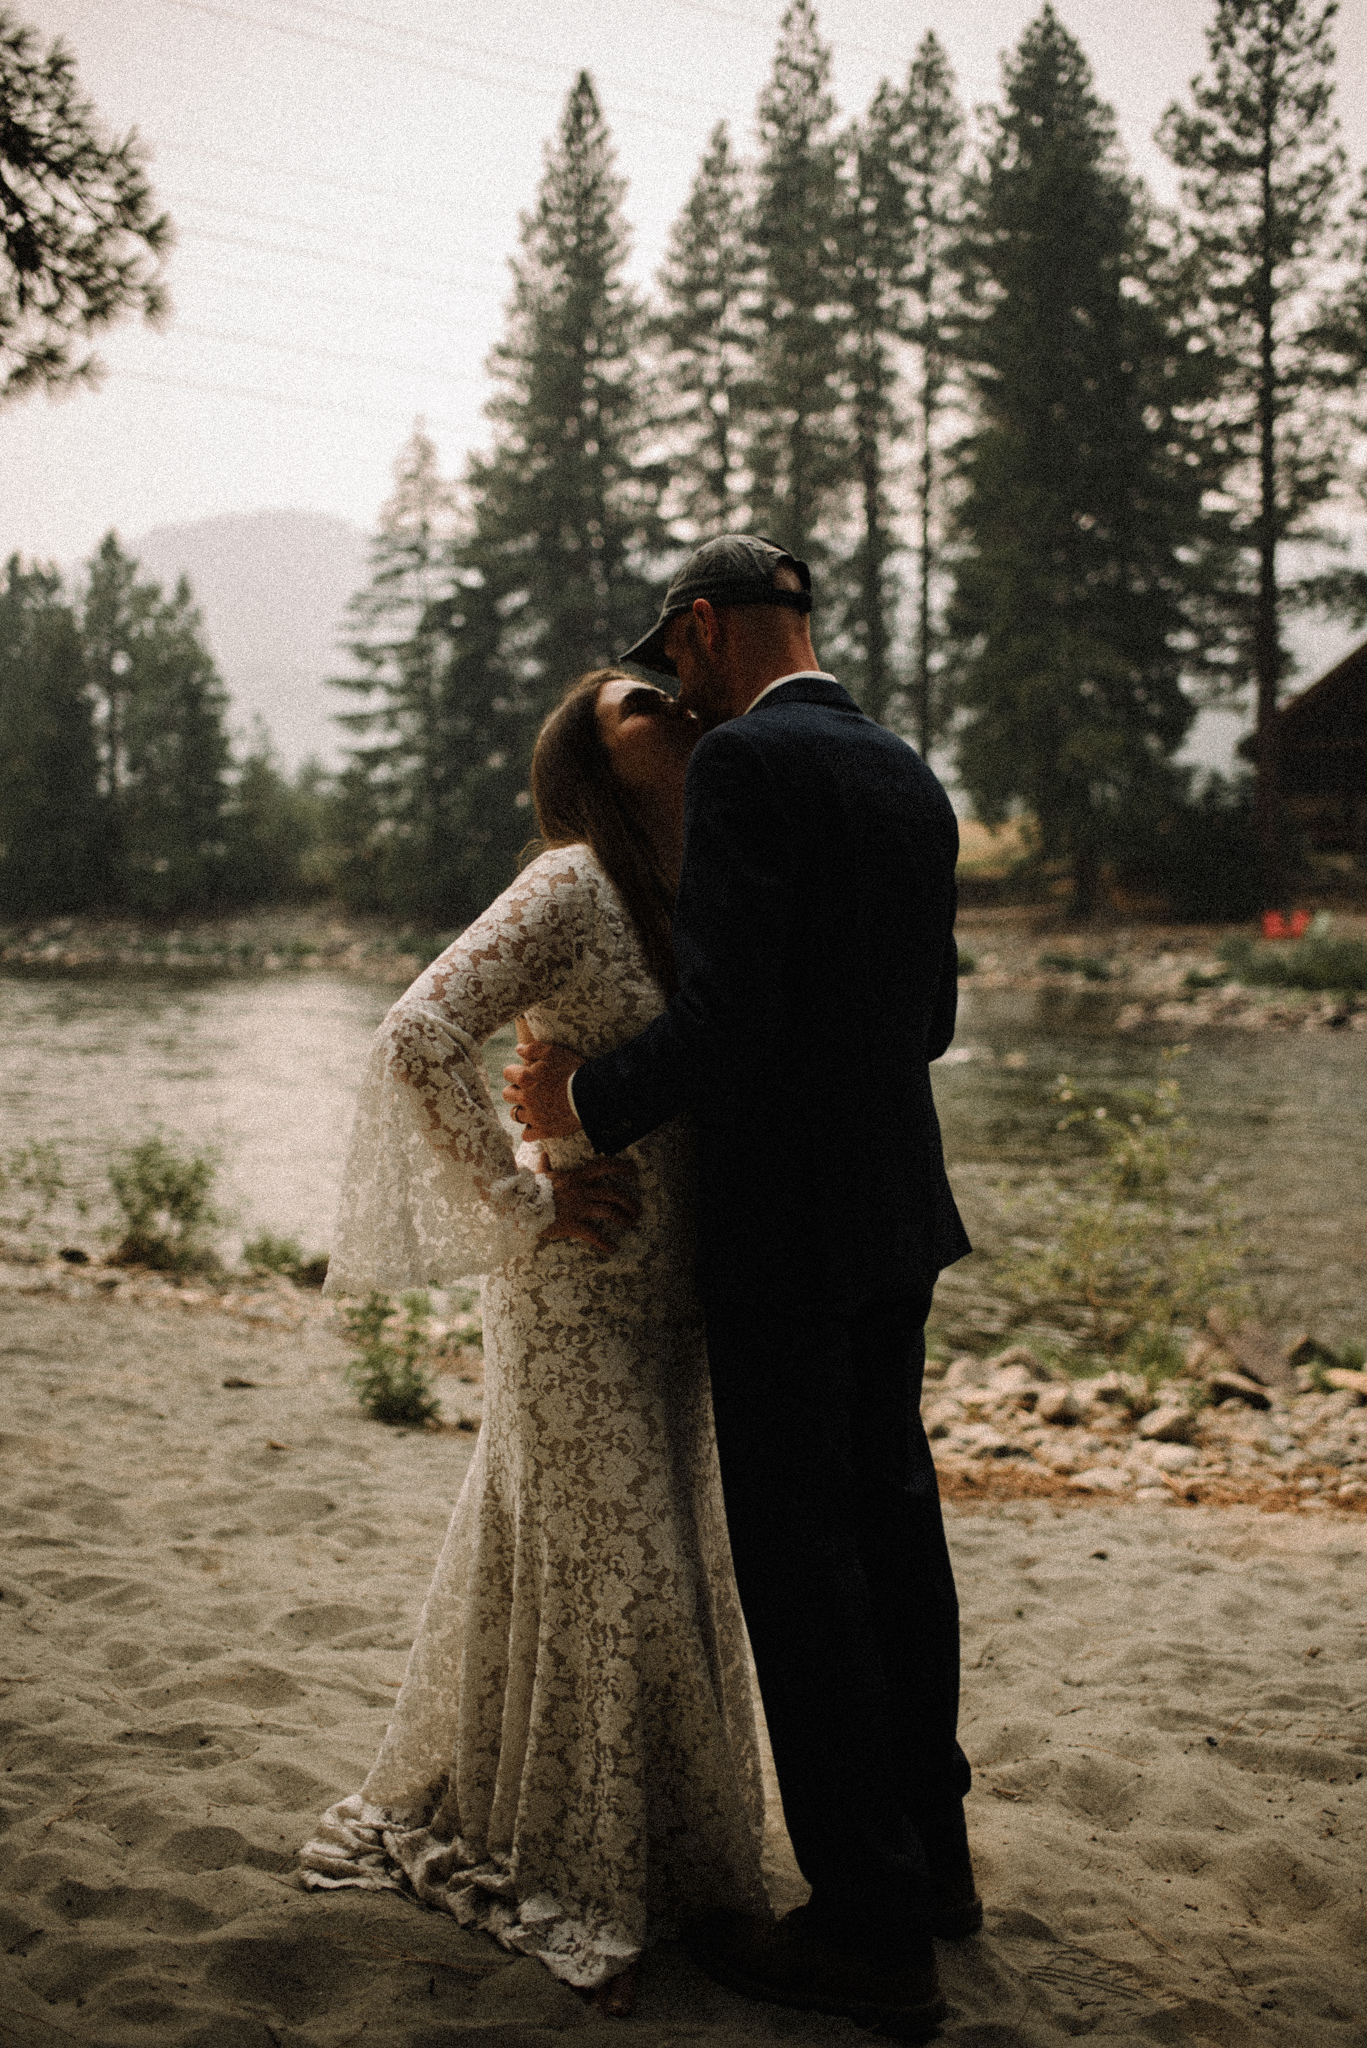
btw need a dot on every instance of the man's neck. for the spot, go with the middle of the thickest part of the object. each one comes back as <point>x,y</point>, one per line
<point>799,660</point>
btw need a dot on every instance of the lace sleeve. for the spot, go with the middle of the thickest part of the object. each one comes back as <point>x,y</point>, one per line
<point>432,1192</point>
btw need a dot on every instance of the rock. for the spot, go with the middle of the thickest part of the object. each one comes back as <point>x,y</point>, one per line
<point>1116,1389</point>
<point>980,1440</point>
<point>1252,1350</point>
<point>969,1372</point>
<point>942,1416</point>
<point>1171,1457</point>
<point>1015,1383</point>
<point>1058,1404</point>
<point>1168,1424</point>
<point>1228,1385</point>
<point>1101,1479</point>
<point>1345,1380</point>
<point>1021,1355</point>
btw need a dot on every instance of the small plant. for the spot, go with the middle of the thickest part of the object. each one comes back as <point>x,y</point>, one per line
<point>33,1173</point>
<point>1086,964</point>
<point>389,1376</point>
<point>166,1201</point>
<point>270,1254</point>
<point>1130,1267</point>
<point>968,963</point>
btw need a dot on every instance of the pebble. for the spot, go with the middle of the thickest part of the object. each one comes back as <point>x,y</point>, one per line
<point>1305,1433</point>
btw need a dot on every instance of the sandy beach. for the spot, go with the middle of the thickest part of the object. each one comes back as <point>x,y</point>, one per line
<point>208,1591</point>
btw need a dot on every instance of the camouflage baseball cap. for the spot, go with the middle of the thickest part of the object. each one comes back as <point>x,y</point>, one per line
<point>738,568</point>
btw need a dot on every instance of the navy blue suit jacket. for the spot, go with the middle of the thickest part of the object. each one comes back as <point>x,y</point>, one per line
<point>813,935</point>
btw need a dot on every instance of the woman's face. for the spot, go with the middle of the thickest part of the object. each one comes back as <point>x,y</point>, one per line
<point>649,737</point>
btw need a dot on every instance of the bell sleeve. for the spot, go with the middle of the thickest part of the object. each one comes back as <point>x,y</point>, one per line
<point>432,1192</point>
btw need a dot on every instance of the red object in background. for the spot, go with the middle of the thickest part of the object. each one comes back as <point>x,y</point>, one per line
<point>1275,926</point>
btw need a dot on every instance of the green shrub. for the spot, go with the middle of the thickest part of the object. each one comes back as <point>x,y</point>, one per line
<point>1128,1266</point>
<point>166,1201</point>
<point>33,1172</point>
<point>270,1254</point>
<point>1085,964</point>
<point>1315,962</point>
<point>390,1377</point>
<point>967,963</point>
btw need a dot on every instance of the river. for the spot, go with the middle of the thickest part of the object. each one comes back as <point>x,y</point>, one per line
<point>264,1070</point>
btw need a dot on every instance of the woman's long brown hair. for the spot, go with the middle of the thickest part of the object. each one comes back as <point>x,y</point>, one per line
<point>578,798</point>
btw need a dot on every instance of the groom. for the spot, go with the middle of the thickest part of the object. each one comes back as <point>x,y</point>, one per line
<point>813,934</point>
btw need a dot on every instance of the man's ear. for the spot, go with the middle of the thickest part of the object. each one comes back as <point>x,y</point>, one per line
<point>709,625</point>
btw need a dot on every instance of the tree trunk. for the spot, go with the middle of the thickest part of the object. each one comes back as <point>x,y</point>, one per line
<point>877,682</point>
<point>1267,652</point>
<point>925,494</point>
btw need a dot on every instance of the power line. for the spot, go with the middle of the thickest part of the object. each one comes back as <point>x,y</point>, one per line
<point>350,412</point>
<point>315,298</point>
<point>420,35</point>
<point>297,176</point>
<point>426,66</point>
<point>332,355</point>
<point>289,220</point>
<point>350,262</point>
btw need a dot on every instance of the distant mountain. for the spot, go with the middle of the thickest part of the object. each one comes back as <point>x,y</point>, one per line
<point>273,587</point>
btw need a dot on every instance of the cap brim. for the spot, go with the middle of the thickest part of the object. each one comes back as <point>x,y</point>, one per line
<point>650,652</point>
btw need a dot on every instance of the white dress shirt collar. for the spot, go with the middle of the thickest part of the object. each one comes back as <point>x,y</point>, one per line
<point>799,675</point>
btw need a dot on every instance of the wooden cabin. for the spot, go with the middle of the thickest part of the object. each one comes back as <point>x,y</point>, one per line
<point>1322,757</point>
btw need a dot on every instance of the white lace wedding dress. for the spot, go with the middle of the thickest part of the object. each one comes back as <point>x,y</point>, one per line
<point>572,1762</point>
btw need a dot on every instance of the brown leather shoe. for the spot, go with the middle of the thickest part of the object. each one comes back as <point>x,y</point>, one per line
<point>798,1963</point>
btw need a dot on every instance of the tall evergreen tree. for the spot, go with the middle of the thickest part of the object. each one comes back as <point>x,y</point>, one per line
<point>929,165</point>
<point>163,748</point>
<point>1079,497</point>
<point>798,461</point>
<point>565,519</point>
<point>900,223</point>
<point>51,815</point>
<point>873,235</point>
<point>706,333</point>
<point>434,774</point>
<point>173,804</point>
<point>1262,173</point>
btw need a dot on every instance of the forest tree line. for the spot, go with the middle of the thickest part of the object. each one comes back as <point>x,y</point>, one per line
<point>1064,463</point>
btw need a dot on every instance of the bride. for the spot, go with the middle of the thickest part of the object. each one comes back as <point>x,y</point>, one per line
<point>572,1764</point>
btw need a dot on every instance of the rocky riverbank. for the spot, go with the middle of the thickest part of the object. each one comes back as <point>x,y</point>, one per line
<point>1246,1423</point>
<point>259,942</point>
<point>1174,978</point>
<point>1170,977</point>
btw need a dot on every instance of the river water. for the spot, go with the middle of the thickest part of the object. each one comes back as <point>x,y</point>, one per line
<point>265,1069</point>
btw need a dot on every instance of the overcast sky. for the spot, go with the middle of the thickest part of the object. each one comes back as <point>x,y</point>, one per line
<point>346,181</point>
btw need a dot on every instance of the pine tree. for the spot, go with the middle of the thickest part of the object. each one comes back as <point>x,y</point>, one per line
<point>873,236</point>
<point>1079,498</point>
<point>929,165</point>
<point>163,749</point>
<point>706,334</point>
<point>900,222</point>
<point>426,820</point>
<point>1262,173</point>
<point>51,816</point>
<point>799,464</point>
<point>80,241</point>
<point>565,518</point>
<point>176,794</point>
<point>273,828</point>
